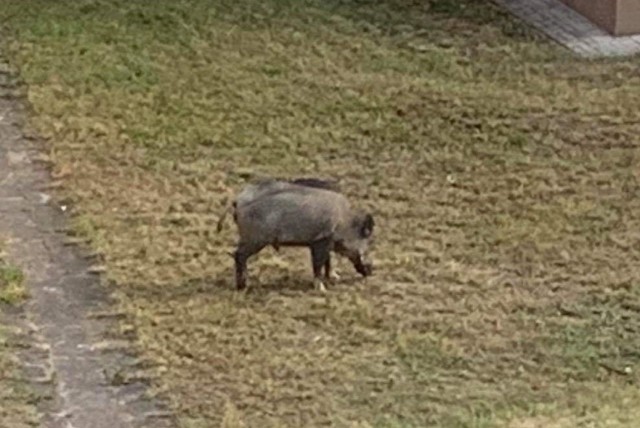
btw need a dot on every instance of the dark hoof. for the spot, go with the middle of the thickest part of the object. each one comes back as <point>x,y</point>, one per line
<point>368,270</point>
<point>365,269</point>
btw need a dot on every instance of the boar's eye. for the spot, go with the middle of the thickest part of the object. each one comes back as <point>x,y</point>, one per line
<point>367,226</point>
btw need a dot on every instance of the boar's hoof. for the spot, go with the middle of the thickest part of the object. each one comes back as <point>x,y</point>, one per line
<point>333,276</point>
<point>319,285</point>
<point>366,269</point>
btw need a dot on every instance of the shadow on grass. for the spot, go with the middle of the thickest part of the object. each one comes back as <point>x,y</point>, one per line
<point>283,284</point>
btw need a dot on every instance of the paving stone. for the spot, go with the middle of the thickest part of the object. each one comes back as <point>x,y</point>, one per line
<point>570,29</point>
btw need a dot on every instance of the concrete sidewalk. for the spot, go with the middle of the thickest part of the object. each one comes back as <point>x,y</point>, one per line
<point>569,28</point>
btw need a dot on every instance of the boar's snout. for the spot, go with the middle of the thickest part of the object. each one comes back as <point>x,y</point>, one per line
<point>364,269</point>
<point>354,248</point>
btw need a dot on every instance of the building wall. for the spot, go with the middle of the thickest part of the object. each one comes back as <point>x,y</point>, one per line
<point>628,17</point>
<point>618,17</point>
<point>601,12</point>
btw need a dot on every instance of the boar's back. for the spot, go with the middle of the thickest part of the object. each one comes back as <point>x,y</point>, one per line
<point>317,183</point>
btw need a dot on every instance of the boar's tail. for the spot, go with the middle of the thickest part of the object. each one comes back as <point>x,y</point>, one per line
<point>224,215</point>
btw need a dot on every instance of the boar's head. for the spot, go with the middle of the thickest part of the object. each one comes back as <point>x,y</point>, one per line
<point>354,242</point>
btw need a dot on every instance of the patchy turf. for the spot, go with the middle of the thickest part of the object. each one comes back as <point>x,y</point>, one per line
<point>503,174</point>
<point>17,403</point>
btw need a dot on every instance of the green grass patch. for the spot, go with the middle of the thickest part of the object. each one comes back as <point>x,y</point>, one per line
<point>17,407</point>
<point>502,172</point>
<point>12,288</point>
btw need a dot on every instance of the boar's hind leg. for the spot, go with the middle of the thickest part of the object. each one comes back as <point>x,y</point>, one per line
<point>242,254</point>
<point>320,257</point>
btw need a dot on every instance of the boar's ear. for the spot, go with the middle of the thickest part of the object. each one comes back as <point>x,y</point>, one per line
<point>367,226</point>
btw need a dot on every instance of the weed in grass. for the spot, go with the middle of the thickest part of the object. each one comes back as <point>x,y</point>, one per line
<point>12,288</point>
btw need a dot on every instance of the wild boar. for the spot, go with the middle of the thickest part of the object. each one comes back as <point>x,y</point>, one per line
<point>303,212</point>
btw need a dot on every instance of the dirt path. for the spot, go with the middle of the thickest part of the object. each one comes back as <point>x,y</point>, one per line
<point>78,354</point>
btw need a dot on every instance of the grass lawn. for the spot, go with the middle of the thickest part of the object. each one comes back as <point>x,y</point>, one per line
<point>17,408</point>
<point>503,174</point>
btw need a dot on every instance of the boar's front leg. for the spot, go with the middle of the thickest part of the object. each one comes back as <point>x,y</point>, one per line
<point>320,257</point>
<point>242,254</point>
<point>328,274</point>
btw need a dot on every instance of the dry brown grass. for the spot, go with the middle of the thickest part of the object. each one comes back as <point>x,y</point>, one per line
<point>503,174</point>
